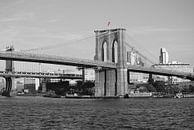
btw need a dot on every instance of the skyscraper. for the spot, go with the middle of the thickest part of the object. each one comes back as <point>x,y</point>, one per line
<point>163,58</point>
<point>131,57</point>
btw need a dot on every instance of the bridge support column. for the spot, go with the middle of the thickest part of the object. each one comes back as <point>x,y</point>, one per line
<point>150,80</point>
<point>83,75</point>
<point>128,76</point>
<point>9,85</point>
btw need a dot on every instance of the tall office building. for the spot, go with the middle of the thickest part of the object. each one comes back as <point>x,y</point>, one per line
<point>131,57</point>
<point>163,58</point>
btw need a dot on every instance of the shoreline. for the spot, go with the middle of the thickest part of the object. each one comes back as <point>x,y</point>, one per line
<point>93,97</point>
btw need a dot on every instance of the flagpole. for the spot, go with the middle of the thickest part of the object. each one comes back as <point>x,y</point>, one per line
<point>108,25</point>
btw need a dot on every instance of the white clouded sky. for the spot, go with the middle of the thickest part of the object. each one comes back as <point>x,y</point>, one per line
<point>152,23</point>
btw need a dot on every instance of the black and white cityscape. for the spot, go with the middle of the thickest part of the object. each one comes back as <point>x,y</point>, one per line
<point>96,64</point>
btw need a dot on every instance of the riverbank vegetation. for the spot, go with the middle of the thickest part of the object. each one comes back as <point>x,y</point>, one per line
<point>63,88</point>
<point>163,87</point>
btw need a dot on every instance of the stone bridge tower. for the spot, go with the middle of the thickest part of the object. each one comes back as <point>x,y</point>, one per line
<point>111,47</point>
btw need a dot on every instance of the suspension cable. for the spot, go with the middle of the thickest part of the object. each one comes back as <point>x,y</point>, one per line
<point>137,43</point>
<point>74,40</point>
<point>144,57</point>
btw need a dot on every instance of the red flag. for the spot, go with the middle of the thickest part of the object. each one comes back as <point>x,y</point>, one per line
<point>108,23</point>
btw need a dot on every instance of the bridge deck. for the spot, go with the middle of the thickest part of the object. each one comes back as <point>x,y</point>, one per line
<point>19,56</point>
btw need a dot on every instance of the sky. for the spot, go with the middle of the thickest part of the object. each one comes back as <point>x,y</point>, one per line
<point>66,27</point>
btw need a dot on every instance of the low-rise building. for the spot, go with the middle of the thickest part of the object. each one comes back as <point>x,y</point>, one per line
<point>29,85</point>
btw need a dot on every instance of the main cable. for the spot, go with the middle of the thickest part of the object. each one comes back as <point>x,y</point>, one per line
<point>72,41</point>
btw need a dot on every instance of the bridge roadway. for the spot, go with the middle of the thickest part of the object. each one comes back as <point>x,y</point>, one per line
<point>164,72</point>
<point>39,75</point>
<point>43,58</point>
<point>19,56</point>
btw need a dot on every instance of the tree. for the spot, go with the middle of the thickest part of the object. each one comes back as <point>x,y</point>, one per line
<point>159,86</point>
<point>185,89</point>
<point>191,88</point>
<point>172,89</point>
<point>151,88</point>
<point>88,88</point>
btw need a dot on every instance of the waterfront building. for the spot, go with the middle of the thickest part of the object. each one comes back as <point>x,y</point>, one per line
<point>163,58</point>
<point>138,77</point>
<point>2,83</point>
<point>19,86</point>
<point>131,57</point>
<point>89,75</point>
<point>30,85</point>
<point>134,59</point>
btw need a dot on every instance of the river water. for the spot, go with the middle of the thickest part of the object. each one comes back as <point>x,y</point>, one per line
<point>18,113</point>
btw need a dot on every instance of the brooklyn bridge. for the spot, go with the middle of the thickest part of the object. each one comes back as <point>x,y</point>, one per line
<point>110,63</point>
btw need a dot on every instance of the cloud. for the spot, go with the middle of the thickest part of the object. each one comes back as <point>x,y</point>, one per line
<point>52,20</point>
<point>18,17</point>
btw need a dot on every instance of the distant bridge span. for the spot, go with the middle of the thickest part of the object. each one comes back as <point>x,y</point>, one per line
<point>164,72</point>
<point>19,56</point>
<point>40,75</point>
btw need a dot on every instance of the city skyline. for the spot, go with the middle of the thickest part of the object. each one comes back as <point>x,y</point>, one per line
<point>151,24</point>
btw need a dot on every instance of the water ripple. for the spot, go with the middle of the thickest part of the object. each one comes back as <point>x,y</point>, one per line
<point>38,113</point>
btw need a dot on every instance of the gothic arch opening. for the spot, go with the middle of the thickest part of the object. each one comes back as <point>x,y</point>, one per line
<point>104,51</point>
<point>115,52</point>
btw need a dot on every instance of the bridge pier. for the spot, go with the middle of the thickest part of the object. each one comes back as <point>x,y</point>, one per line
<point>105,83</point>
<point>122,82</point>
<point>100,87</point>
<point>111,80</point>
